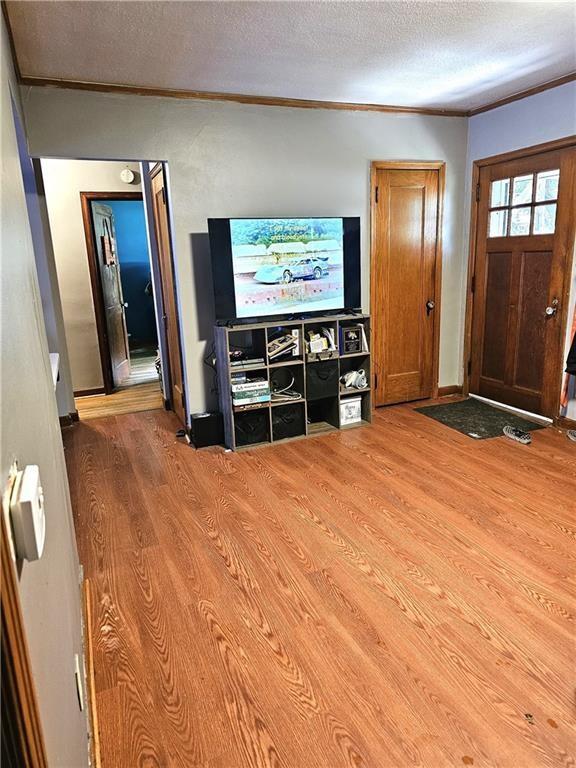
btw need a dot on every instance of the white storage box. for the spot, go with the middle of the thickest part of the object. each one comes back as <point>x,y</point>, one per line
<point>350,410</point>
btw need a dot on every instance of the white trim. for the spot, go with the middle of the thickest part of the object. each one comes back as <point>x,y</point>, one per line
<point>504,407</point>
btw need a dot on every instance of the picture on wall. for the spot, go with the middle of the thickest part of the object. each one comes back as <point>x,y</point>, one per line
<point>287,265</point>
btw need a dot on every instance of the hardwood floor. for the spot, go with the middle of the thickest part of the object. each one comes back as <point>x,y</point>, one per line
<point>138,397</point>
<point>397,595</point>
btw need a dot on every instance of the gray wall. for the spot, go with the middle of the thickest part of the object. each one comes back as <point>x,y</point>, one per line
<point>535,120</point>
<point>243,160</point>
<point>49,588</point>
<point>46,270</point>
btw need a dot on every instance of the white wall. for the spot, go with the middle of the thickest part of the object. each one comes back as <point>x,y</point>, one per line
<point>537,119</point>
<point>63,182</point>
<point>49,588</point>
<point>244,160</point>
<point>543,117</point>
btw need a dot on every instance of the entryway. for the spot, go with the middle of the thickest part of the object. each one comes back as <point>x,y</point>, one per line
<point>520,273</point>
<point>113,257</point>
<point>121,279</point>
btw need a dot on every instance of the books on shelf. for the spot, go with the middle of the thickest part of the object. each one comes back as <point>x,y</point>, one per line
<point>249,386</point>
<point>250,392</point>
<point>251,400</point>
<point>248,399</point>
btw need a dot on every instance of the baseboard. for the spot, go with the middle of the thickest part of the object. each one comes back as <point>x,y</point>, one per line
<point>565,423</point>
<point>88,392</point>
<point>69,419</point>
<point>453,389</point>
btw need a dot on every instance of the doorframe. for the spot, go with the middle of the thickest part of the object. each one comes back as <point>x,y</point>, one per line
<point>86,199</point>
<point>18,688</point>
<point>517,154</point>
<point>413,165</point>
<point>153,171</point>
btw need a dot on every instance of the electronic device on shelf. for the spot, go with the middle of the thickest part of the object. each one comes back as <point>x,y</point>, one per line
<point>291,267</point>
<point>281,345</point>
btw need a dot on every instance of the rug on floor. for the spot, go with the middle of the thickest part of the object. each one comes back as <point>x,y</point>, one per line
<point>477,419</point>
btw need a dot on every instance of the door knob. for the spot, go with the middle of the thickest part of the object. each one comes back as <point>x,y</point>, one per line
<point>552,308</point>
<point>125,304</point>
<point>430,306</point>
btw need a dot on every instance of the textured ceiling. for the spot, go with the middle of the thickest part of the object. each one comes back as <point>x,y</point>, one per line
<point>457,55</point>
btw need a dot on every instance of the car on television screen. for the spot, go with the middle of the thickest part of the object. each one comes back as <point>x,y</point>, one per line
<point>303,269</point>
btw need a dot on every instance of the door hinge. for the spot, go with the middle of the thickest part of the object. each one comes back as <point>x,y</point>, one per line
<point>469,367</point>
<point>375,381</point>
<point>376,195</point>
<point>478,192</point>
<point>473,284</point>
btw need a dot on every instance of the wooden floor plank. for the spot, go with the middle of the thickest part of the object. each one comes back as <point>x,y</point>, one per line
<point>131,399</point>
<point>399,595</point>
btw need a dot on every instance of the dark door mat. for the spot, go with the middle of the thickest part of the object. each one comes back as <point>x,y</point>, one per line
<point>476,419</point>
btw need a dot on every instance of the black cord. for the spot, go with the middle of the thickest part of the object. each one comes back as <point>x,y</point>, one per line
<point>209,361</point>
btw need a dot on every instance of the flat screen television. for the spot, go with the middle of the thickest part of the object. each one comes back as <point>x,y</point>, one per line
<point>264,268</point>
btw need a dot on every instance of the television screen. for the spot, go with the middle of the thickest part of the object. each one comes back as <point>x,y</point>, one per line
<point>269,267</point>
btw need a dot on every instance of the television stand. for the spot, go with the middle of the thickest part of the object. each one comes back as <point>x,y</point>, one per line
<point>308,397</point>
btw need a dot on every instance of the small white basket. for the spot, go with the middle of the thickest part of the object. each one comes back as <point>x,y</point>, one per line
<point>350,410</point>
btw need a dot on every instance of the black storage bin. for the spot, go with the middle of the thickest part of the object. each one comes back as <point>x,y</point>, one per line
<point>321,379</point>
<point>252,427</point>
<point>288,421</point>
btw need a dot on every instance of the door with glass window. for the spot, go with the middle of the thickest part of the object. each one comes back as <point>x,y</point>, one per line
<point>525,212</point>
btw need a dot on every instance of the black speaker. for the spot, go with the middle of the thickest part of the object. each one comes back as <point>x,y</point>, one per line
<point>322,379</point>
<point>206,429</point>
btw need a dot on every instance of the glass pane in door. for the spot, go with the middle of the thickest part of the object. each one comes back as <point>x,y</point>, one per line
<point>547,185</point>
<point>545,219</point>
<point>520,221</point>
<point>522,191</point>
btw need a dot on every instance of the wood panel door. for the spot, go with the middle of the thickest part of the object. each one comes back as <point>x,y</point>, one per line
<point>167,279</point>
<point>405,282</point>
<point>111,285</point>
<point>522,248</point>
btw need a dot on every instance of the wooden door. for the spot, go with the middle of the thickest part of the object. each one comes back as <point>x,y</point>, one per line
<point>522,249</point>
<point>405,282</point>
<point>111,286</point>
<point>170,316</point>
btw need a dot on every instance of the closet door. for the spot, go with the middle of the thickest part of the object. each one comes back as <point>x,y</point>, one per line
<point>405,279</point>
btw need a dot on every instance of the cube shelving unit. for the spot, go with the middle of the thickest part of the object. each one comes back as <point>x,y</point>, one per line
<point>313,414</point>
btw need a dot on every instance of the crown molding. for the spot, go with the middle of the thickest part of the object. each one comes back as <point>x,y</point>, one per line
<point>278,101</point>
<point>523,94</point>
<point>239,98</point>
